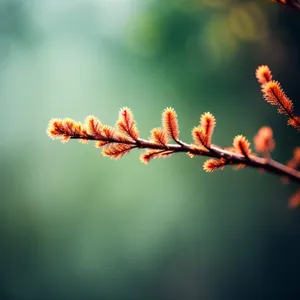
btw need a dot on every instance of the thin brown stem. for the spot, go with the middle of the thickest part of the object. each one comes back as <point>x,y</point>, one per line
<point>267,164</point>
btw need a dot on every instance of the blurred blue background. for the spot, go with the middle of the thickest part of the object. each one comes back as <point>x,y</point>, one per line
<point>75,225</point>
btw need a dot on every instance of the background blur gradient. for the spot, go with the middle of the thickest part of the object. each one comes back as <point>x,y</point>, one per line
<point>75,225</point>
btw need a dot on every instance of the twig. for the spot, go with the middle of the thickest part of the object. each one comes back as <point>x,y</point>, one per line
<point>267,164</point>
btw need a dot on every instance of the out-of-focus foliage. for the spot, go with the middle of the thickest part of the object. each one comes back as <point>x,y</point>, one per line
<point>216,28</point>
<point>79,226</point>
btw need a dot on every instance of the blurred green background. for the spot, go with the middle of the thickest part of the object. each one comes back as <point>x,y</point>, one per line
<point>75,225</point>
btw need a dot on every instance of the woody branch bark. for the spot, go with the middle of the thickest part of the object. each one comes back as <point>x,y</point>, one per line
<point>231,158</point>
<point>268,165</point>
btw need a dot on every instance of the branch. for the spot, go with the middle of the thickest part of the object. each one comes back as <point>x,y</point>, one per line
<point>217,152</point>
<point>274,94</point>
<point>116,143</point>
<point>121,139</point>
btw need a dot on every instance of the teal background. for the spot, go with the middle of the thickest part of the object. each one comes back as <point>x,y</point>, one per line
<point>76,225</point>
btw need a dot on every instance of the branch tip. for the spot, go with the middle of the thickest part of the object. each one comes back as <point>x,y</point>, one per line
<point>170,124</point>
